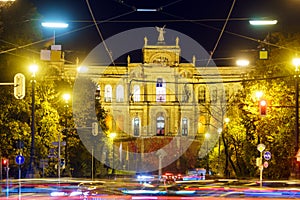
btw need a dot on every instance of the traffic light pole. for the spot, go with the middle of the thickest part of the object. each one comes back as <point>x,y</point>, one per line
<point>1,169</point>
<point>30,173</point>
<point>297,112</point>
<point>59,159</point>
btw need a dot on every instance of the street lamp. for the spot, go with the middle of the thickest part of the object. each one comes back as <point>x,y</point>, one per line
<point>242,62</point>
<point>66,98</point>
<point>263,22</point>
<point>112,137</point>
<point>207,136</point>
<point>33,69</point>
<point>259,94</point>
<point>54,26</point>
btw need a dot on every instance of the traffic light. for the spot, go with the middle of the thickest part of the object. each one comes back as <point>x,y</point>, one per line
<point>263,107</point>
<point>62,163</point>
<point>95,128</point>
<point>5,162</point>
<point>19,86</point>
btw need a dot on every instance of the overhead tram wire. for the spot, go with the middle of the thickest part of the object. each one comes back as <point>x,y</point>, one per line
<point>198,22</point>
<point>215,82</point>
<point>169,4</point>
<point>99,32</point>
<point>161,20</point>
<point>59,35</point>
<point>179,19</point>
<point>122,2</point>
<point>221,34</point>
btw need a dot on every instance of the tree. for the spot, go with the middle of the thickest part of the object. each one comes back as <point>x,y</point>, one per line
<point>247,128</point>
<point>19,34</point>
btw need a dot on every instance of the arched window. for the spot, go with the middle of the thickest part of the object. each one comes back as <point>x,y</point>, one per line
<point>201,124</point>
<point>202,95</point>
<point>120,93</point>
<point>225,94</point>
<point>136,126</point>
<point>136,93</point>
<point>108,93</point>
<point>214,95</point>
<point>160,90</point>
<point>184,126</point>
<point>160,126</point>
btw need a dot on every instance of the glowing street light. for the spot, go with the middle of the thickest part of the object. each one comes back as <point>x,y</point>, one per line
<point>226,120</point>
<point>259,94</point>
<point>33,69</point>
<point>66,97</point>
<point>242,62</point>
<point>54,26</point>
<point>263,22</point>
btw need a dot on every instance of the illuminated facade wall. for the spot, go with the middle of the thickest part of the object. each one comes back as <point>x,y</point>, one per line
<point>162,96</point>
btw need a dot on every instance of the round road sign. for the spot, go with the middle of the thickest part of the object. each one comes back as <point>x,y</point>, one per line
<point>267,155</point>
<point>20,159</point>
<point>266,164</point>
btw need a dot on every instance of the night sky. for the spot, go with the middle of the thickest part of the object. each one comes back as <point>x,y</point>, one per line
<point>201,20</point>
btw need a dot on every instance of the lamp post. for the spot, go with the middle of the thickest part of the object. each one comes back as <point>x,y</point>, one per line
<point>33,69</point>
<point>54,26</point>
<point>112,137</point>
<point>219,148</point>
<point>66,98</point>
<point>207,136</point>
<point>296,62</point>
<point>225,122</point>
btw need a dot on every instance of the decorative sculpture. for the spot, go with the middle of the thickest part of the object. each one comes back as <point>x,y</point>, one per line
<point>161,31</point>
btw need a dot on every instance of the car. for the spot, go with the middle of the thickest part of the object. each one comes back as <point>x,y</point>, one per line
<point>178,177</point>
<point>171,178</point>
<point>168,177</point>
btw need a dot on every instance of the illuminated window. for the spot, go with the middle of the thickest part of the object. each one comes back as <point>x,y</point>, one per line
<point>160,126</point>
<point>214,95</point>
<point>160,90</point>
<point>108,93</point>
<point>225,94</point>
<point>184,126</point>
<point>136,126</point>
<point>120,93</point>
<point>136,93</point>
<point>202,95</point>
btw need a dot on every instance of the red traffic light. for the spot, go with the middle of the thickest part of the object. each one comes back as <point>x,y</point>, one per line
<point>4,162</point>
<point>263,107</point>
